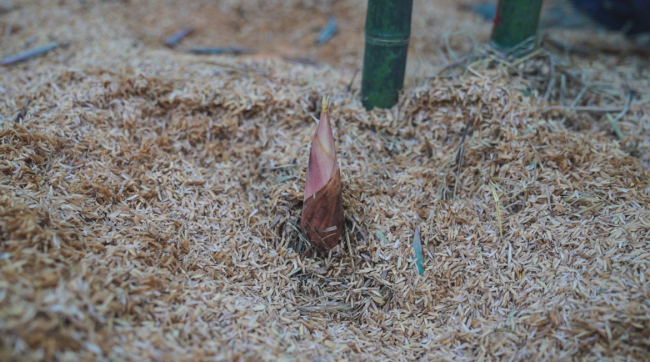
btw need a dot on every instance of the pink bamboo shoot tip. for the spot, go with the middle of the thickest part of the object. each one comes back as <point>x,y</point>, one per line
<point>322,212</point>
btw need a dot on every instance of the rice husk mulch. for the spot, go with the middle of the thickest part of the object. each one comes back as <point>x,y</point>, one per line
<point>150,199</point>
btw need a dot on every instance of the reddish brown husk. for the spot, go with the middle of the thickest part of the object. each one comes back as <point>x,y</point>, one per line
<point>324,211</point>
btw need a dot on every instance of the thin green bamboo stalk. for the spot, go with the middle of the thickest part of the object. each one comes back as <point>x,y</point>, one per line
<point>388,29</point>
<point>515,25</point>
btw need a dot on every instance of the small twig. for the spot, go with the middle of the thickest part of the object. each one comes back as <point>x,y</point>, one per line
<point>532,127</point>
<point>354,76</point>
<point>586,109</point>
<point>458,60</point>
<point>442,193</point>
<point>299,60</point>
<point>300,234</point>
<point>325,308</point>
<point>562,88</point>
<point>499,59</point>
<point>590,208</point>
<point>459,156</point>
<point>580,94</point>
<point>496,200</point>
<point>452,53</point>
<point>277,167</point>
<point>449,67</point>
<point>321,239</point>
<point>528,56</point>
<point>442,56</point>
<point>551,82</point>
<point>525,47</point>
<point>328,31</point>
<point>220,50</point>
<point>332,281</point>
<point>284,178</point>
<point>28,54</point>
<point>474,72</point>
<point>614,120</point>
<point>347,238</point>
<point>173,40</point>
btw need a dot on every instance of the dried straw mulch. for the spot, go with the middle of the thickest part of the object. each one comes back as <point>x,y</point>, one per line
<point>149,200</point>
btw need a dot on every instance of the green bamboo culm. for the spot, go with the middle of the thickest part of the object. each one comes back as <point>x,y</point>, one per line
<point>515,25</point>
<point>388,29</point>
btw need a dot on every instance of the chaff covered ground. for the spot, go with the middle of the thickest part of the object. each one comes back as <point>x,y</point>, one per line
<point>149,198</point>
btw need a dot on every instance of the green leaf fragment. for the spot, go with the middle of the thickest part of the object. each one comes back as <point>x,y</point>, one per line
<point>417,247</point>
<point>382,237</point>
